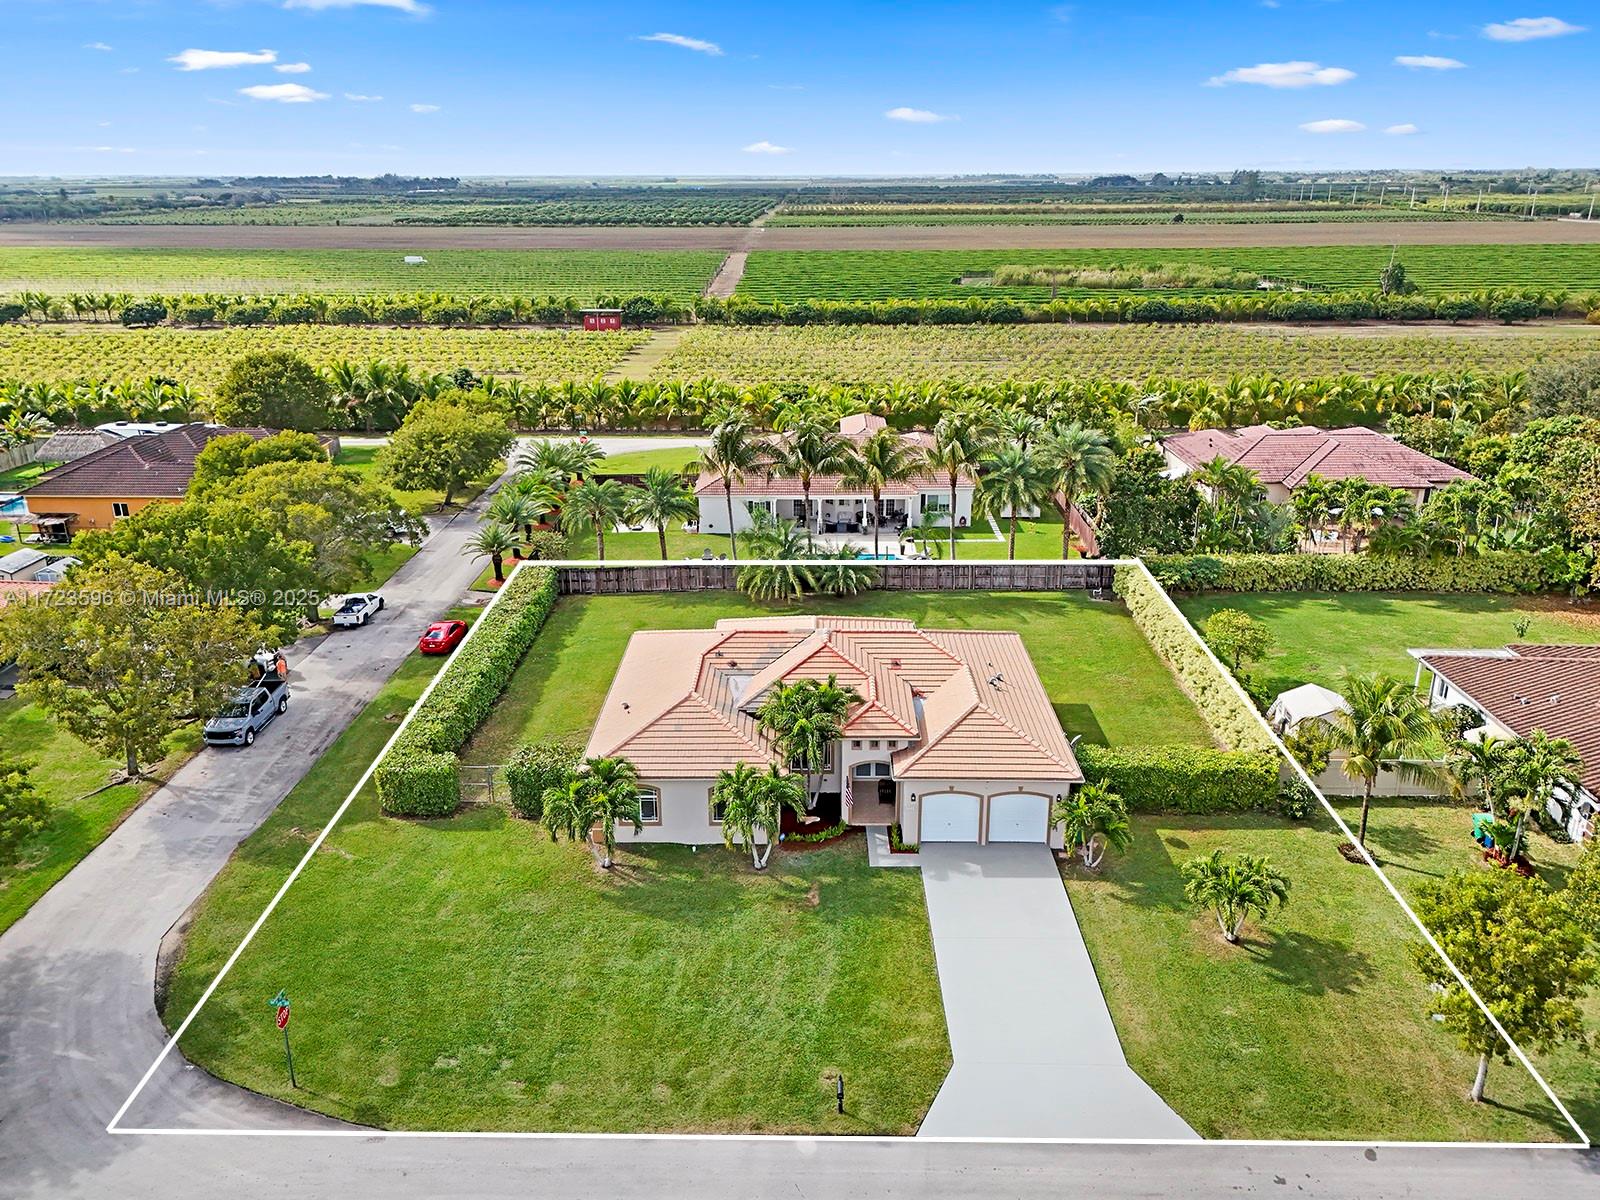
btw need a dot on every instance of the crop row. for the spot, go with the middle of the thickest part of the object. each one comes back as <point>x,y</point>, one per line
<point>871,215</point>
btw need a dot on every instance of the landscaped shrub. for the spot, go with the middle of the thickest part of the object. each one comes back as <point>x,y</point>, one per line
<point>1230,716</point>
<point>536,767</point>
<point>472,681</point>
<point>1506,571</point>
<point>546,545</point>
<point>1187,779</point>
<point>142,314</point>
<point>1296,801</point>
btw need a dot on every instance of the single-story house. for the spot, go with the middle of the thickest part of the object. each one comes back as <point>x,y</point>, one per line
<point>1283,459</point>
<point>1519,689</point>
<point>117,480</point>
<point>954,738</point>
<point>837,507</point>
<point>1308,702</point>
<point>70,443</point>
<point>22,566</point>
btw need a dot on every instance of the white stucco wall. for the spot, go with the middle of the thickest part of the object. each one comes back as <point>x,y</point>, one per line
<point>714,508</point>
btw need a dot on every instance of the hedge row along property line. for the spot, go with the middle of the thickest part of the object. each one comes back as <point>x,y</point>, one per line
<point>418,777</point>
<point>1187,779</point>
<point>199,311</point>
<point>1511,572</point>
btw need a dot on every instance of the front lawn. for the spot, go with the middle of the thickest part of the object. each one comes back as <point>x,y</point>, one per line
<point>637,462</point>
<point>1314,1027</point>
<point>363,460</point>
<point>1103,678</point>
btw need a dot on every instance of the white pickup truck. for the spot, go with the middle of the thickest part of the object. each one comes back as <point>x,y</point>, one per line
<point>358,609</point>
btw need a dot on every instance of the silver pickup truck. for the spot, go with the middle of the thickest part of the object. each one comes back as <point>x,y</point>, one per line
<point>253,706</point>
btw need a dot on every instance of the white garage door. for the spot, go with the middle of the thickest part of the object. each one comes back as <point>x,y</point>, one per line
<point>949,817</point>
<point>1018,817</point>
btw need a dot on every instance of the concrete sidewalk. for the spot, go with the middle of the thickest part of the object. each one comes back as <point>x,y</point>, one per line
<point>1036,1053</point>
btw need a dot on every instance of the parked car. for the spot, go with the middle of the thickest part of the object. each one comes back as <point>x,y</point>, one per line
<point>253,706</point>
<point>358,609</point>
<point>442,637</point>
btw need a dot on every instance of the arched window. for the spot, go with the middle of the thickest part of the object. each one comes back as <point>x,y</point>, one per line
<point>649,806</point>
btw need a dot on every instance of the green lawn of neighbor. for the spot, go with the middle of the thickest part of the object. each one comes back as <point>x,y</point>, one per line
<point>637,462</point>
<point>1103,678</point>
<point>364,461</point>
<point>1315,1027</point>
<point>18,478</point>
<point>65,771</point>
<point>1321,636</point>
<point>1416,841</point>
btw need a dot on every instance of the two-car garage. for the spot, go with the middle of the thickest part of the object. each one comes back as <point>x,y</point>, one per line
<point>960,816</point>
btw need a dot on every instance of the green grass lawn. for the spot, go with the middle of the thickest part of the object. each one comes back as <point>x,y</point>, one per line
<point>65,771</point>
<point>1418,841</point>
<point>1314,1027</point>
<point>1320,637</point>
<point>364,461</point>
<point>637,462</point>
<point>1103,678</point>
<point>18,478</point>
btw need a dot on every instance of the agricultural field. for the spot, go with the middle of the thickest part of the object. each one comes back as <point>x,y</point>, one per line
<point>800,216</point>
<point>850,354</point>
<point>676,208</point>
<point>199,358</point>
<point>583,274</point>
<point>892,274</point>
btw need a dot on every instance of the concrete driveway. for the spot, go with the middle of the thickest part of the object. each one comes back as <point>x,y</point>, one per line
<point>1036,1054</point>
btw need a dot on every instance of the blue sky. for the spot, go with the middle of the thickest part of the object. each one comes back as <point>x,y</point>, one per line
<point>466,87</point>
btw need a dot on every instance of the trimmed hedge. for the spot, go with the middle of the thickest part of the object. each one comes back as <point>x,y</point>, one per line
<point>1187,779</point>
<point>1231,717</point>
<point>1506,571</point>
<point>411,776</point>
<point>535,767</point>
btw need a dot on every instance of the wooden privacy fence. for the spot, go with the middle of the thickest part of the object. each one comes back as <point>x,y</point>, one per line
<point>1083,529</point>
<point>1074,575</point>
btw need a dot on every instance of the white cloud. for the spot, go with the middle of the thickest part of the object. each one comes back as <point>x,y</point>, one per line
<point>360,99</point>
<point>917,116</point>
<point>292,68</point>
<point>1284,75</point>
<point>283,93</point>
<point>96,46</point>
<point>1428,62</point>
<point>766,148</point>
<point>698,45</point>
<point>1526,29</point>
<point>1405,130</point>
<point>424,108</point>
<point>414,7</point>
<point>210,60</point>
<point>1333,126</point>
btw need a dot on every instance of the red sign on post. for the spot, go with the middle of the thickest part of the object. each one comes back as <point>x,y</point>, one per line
<point>283,1017</point>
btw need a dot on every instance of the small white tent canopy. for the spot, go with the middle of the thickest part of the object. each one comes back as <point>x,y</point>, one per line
<point>1308,702</point>
<point>414,260</point>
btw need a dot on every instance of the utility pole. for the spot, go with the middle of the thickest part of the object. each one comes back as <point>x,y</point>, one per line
<point>1592,187</point>
<point>1479,209</point>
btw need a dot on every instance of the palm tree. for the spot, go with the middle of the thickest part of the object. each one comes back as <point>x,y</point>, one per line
<point>1536,767</point>
<point>492,541</point>
<point>594,506</point>
<point>1093,819</point>
<point>1383,720</point>
<point>804,719</point>
<point>775,541</point>
<point>958,442</point>
<point>539,491</point>
<point>753,800</point>
<point>561,461</point>
<point>661,500</point>
<point>1010,480</point>
<point>884,457</point>
<point>1478,765</point>
<point>603,791</point>
<point>516,510</point>
<point>1234,887</point>
<point>734,452</point>
<point>841,573</point>
<point>1075,460</point>
<point>810,445</point>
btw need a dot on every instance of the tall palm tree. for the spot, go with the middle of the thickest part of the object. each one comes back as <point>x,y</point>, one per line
<point>1009,480</point>
<point>594,506</point>
<point>492,541</point>
<point>958,443</point>
<point>810,445</point>
<point>1234,887</point>
<point>1075,460</point>
<point>603,792</point>
<point>1093,818</point>
<point>662,499</point>
<point>734,452</point>
<point>884,457</point>
<point>804,719</point>
<point>1384,719</point>
<point>1479,765</point>
<point>753,800</point>
<point>1537,766</point>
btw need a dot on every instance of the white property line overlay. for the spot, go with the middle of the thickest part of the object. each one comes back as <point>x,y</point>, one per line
<point>113,1126</point>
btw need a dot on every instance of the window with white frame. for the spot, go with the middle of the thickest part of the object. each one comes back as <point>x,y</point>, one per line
<point>119,508</point>
<point>870,770</point>
<point>649,806</point>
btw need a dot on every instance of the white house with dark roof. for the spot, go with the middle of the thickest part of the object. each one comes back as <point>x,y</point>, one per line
<point>837,507</point>
<point>954,738</point>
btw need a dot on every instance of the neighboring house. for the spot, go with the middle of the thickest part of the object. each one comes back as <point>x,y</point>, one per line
<point>955,738</point>
<point>1283,459</point>
<point>66,445</point>
<point>22,566</point>
<point>837,507</point>
<point>94,491</point>
<point>1308,702</point>
<point>1520,689</point>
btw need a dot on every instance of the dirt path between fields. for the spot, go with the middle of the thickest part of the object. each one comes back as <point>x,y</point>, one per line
<point>759,237</point>
<point>643,359</point>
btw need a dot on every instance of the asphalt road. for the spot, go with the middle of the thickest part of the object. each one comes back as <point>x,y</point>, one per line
<point>78,1029</point>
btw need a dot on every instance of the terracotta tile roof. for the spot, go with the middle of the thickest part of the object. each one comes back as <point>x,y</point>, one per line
<point>680,704</point>
<point>1551,688</point>
<point>1288,456</point>
<point>17,589</point>
<point>155,466</point>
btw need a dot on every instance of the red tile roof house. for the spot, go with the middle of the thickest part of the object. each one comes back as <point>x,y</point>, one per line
<point>1284,458</point>
<point>954,738</point>
<point>835,506</point>
<point>1518,689</point>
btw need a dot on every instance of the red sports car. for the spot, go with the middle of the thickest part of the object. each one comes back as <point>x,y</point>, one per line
<point>442,637</point>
